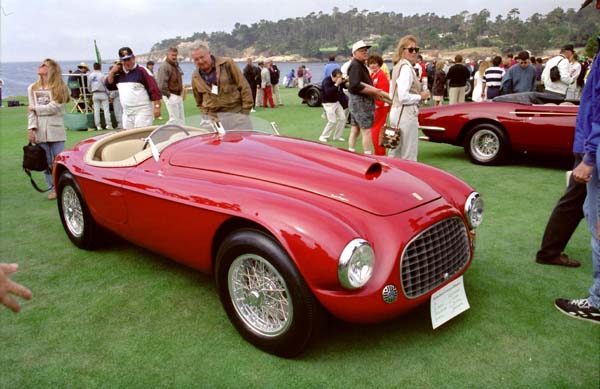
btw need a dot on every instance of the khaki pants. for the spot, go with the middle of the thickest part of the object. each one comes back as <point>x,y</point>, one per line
<point>456,94</point>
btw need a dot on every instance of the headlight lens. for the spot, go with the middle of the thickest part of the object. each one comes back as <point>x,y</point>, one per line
<point>474,210</point>
<point>356,262</point>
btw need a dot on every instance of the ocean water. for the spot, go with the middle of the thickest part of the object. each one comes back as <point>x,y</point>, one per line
<point>18,75</point>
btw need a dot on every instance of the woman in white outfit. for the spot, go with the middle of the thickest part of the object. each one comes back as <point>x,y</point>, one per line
<point>406,94</point>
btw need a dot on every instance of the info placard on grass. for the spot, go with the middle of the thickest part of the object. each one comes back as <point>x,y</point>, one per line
<point>448,302</point>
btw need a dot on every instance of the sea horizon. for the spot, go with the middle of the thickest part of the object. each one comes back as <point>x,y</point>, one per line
<point>18,75</point>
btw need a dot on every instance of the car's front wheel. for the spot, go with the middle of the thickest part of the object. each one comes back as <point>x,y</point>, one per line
<point>74,213</point>
<point>264,295</point>
<point>486,144</point>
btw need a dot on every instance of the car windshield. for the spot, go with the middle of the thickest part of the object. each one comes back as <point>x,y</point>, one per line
<point>220,123</point>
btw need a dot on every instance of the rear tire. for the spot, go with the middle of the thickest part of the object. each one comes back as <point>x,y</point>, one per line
<point>486,144</point>
<point>80,226</point>
<point>313,97</point>
<point>264,295</point>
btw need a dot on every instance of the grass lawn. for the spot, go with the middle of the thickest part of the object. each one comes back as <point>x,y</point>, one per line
<point>125,317</point>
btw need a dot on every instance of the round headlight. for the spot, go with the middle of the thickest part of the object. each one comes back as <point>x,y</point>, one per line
<point>356,262</point>
<point>474,210</point>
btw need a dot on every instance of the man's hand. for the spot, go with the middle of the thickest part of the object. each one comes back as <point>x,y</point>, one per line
<point>7,287</point>
<point>582,173</point>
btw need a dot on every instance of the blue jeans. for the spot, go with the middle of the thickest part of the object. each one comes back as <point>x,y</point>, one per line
<point>590,210</point>
<point>52,149</point>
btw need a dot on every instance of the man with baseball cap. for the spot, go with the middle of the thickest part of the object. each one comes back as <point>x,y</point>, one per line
<point>563,63</point>
<point>138,91</point>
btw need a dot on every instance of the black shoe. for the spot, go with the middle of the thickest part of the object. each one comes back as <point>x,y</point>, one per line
<point>561,260</point>
<point>579,309</point>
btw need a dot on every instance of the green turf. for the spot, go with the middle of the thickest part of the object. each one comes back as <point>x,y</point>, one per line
<point>124,317</point>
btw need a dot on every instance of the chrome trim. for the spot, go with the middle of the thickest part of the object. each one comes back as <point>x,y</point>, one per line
<point>346,258</point>
<point>432,128</point>
<point>474,198</point>
<point>544,113</point>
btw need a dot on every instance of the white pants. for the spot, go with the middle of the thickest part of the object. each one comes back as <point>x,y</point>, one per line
<point>100,100</point>
<point>336,119</point>
<point>174,104</point>
<point>409,132</point>
<point>259,97</point>
<point>276,96</point>
<point>137,117</point>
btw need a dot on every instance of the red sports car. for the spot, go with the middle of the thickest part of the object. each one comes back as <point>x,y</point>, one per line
<point>290,228</point>
<point>491,130</point>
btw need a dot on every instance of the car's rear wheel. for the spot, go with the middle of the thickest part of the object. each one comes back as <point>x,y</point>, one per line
<point>486,144</point>
<point>74,213</point>
<point>313,97</point>
<point>264,295</point>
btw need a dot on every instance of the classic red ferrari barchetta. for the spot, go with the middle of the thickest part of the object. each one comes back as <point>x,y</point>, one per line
<point>290,228</point>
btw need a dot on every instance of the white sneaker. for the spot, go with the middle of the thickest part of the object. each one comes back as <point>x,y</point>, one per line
<point>340,140</point>
<point>322,139</point>
<point>252,110</point>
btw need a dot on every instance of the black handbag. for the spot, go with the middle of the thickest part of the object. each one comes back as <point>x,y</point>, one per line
<point>34,158</point>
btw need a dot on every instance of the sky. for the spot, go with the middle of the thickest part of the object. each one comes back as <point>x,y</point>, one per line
<point>32,30</point>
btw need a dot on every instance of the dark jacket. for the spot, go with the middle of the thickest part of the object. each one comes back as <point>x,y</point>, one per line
<point>458,75</point>
<point>357,73</point>
<point>439,83</point>
<point>331,92</point>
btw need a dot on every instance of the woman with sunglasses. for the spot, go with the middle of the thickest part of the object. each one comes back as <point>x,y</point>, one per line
<point>46,124</point>
<point>406,94</point>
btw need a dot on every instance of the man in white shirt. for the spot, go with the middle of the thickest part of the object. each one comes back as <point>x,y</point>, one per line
<point>562,62</point>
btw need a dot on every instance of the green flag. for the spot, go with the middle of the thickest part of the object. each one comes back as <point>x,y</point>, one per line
<point>98,57</point>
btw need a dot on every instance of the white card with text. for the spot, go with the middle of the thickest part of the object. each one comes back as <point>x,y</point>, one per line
<point>448,302</point>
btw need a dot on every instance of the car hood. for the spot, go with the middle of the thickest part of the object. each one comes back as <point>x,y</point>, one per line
<point>368,183</point>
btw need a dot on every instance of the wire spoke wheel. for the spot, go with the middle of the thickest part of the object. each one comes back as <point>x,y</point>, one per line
<point>72,211</point>
<point>260,295</point>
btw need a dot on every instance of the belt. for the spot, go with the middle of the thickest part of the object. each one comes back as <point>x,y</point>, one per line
<point>494,86</point>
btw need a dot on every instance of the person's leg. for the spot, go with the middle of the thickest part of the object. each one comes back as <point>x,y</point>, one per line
<point>106,109</point>
<point>276,95</point>
<point>409,123</point>
<point>331,121</point>
<point>259,96</point>
<point>270,96</point>
<point>563,222</point>
<point>367,141</point>
<point>97,106</point>
<point>341,122</point>
<point>354,130</point>
<point>592,220</point>
<point>461,94</point>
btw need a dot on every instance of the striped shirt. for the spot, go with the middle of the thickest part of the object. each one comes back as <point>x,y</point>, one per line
<point>493,76</point>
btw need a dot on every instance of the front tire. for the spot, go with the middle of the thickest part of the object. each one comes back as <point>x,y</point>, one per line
<point>486,144</point>
<point>75,216</point>
<point>264,295</point>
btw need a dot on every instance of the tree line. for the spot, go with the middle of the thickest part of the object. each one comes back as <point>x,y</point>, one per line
<point>319,35</point>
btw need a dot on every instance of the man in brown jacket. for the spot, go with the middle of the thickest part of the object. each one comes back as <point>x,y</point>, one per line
<point>219,85</point>
<point>170,82</point>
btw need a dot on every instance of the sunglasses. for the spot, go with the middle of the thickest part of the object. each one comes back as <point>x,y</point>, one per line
<point>412,49</point>
<point>43,65</point>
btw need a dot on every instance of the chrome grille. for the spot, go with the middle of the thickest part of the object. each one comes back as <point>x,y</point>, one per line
<point>434,256</point>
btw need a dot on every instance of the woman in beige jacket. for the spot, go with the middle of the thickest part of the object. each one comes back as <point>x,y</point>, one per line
<point>47,98</point>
